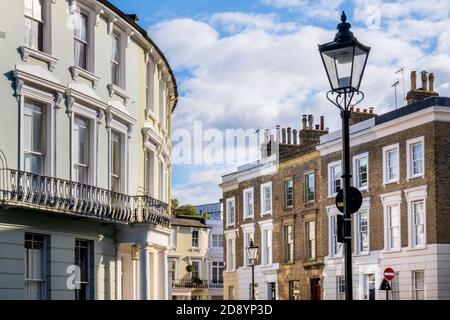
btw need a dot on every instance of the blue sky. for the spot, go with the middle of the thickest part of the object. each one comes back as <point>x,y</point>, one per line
<point>248,64</point>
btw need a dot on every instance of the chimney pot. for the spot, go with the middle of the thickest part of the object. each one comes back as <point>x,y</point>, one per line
<point>365,110</point>
<point>310,121</point>
<point>431,81</point>
<point>322,122</point>
<point>283,135</point>
<point>357,109</point>
<point>413,80</point>
<point>278,133</point>
<point>289,135</point>
<point>304,121</point>
<point>424,80</point>
<point>371,110</point>
<point>317,126</point>
<point>294,136</point>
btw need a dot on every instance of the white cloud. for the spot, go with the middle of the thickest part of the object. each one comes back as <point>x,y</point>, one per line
<point>267,72</point>
<point>318,9</point>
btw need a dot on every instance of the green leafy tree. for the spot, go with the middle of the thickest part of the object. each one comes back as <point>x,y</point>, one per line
<point>187,210</point>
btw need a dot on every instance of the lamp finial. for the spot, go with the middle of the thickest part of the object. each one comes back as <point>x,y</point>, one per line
<point>343,17</point>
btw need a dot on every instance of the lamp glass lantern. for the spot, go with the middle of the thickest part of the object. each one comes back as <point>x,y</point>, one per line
<point>252,252</point>
<point>344,59</point>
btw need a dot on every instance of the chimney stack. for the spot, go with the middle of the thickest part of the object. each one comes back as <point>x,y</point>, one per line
<point>413,80</point>
<point>424,80</point>
<point>304,121</point>
<point>310,121</point>
<point>322,122</point>
<point>431,82</point>
<point>425,91</point>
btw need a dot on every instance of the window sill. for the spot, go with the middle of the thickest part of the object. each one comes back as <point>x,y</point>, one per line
<point>361,254</point>
<point>80,72</point>
<point>113,89</point>
<point>340,256</point>
<point>414,177</point>
<point>391,251</point>
<point>28,52</point>
<point>248,218</point>
<point>268,213</point>
<point>418,248</point>
<point>385,183</point>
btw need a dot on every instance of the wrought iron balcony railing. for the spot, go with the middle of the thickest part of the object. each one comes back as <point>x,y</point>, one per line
<point>195,284</point>
<point>26,189</point>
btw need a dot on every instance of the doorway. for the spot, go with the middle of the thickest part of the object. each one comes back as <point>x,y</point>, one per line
<point>315,289</point>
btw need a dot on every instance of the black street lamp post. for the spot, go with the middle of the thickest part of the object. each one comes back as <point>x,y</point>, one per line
<point>344,60</point>
<point>252,253</point>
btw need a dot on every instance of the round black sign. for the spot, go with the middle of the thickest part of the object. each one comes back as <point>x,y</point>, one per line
<point>354,200</point>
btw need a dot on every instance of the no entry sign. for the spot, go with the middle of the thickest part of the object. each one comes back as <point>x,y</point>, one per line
<point>389,274</point>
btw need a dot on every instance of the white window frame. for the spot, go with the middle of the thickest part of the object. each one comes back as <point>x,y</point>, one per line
<point>266,226</point>
<point>413,285</point>
<point>387,149</point>
<point>218,237</point>
<point>264,210</point>
<point>332,213</point>
<point>248,233</point>
<point>84,8</point>
<point>150,87</point>
<point>330,177</point>
<point>230,236</point>
<point>232,201</point>
<point>91,116</point>
<point>286,243</point>
<point>46,54</point>
<point>246,214</point>
<point>123,131</point>
<point>409,159</point>
<point>357,216</point>
<point>215,269</point>
<point>356,181</point>
<point>389,200</point>
<point>412,195</point>
<point>47,100</point>
<point>44,257</point>
<point>340,287</point>
<point>174,237</point>
<point>198,238</point>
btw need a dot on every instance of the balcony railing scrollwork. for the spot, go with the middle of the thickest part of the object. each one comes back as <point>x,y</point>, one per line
<point>21,188</point>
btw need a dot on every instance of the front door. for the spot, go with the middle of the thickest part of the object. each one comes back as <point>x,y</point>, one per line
<point>369,286</point>
<point>315,289</point>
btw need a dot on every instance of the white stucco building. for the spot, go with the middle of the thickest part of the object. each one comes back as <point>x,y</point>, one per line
<point>87,99</point>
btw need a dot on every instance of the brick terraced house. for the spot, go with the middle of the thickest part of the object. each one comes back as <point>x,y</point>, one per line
<point>399,163</point>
